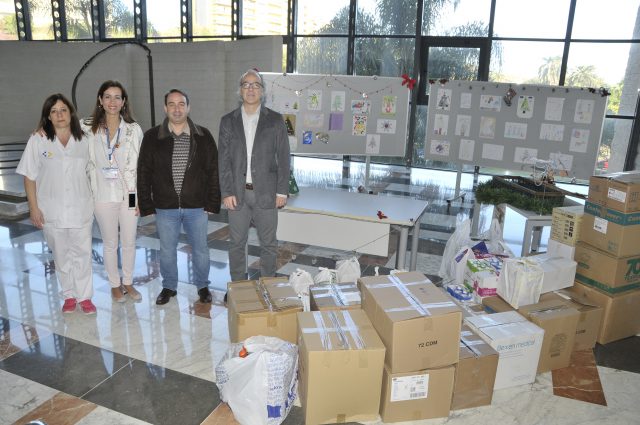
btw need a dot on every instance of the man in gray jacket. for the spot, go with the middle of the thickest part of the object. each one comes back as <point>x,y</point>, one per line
<point>253,160</point>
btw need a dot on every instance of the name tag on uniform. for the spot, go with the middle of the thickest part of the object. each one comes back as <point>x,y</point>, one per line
<point>110,173</point>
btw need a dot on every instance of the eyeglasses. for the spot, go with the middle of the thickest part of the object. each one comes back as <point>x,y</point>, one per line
<point>248,86</point>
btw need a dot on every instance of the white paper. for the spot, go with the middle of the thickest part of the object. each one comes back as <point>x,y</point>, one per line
<point>525,106</point>
<point>515,130</point>
<point>314,100</point>
<point>440,147</point>
<point>491,151</point>
<point>465,100</point>
<point>617,195</point>
<point>411,387</point>
<point>488,127</point>
<point>553,111</point>
<point>490,102</point>
<point>463,125</point>
<point>584,111</point>
<point>579,140</point>
<point>525,156</point>
<point>337,101</point>
<point>561,161</point>
<point>293,143</point>
<point>373,144</point>
<point>313,120</point>
<point>440,124</point>
<point>444,99</point>
<point>466,149</point>
<point>552,132</point>
<point>386,126</point>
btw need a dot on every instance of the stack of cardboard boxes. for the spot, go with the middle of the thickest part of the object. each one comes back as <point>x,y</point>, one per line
<point>608,254</point>
<point>565,231</point>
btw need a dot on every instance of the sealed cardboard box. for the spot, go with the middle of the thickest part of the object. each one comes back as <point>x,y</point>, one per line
<point>612,231</point>
<point>417,322</point>
<point>590,319</point>
<point>496,305</point>
<point>341,358</point>
<point>559,249</point>
<point>621,316</point>
<point>412,396</point>
<point>619,191</point>
<point>517,341</point>
<point>475,372</point>
<point>559,322</point>
<point>605,271</point>
<point>267,306</point>
<point>565,224</point>
<point>335,296</point>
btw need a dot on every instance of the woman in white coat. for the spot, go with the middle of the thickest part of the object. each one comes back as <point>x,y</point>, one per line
<point>114,145</point>
<point>55,167</point>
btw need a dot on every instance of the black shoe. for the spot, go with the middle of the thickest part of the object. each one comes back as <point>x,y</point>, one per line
<point>205,295</point>
<point>165,296</point>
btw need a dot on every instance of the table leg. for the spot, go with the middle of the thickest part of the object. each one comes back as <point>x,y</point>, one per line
<point>526,242</point>
<point>415,238</point>
<point>402,248</point>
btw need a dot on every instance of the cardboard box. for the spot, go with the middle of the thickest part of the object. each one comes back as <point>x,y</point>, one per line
<point>618,191</point>
<point>612,231</point>
<point>559,249</point>
<point>496,305</point>
<point>558,272</point>
<point>518,343</point>
<point>412,396</point>
<point>565,224</point>
<point>559,322</point>
<point>335,296</point>
<point>590,317</point>
<point>262,307</point>
<point>621,316</point>
<point>417,322</point>
<point>481,276</point>
<point>341,358</point>
<point>605,271</point>
<point>475,372</point>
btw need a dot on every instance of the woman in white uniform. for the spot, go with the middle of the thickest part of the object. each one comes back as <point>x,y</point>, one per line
<point>55,167</point>
<point>114,144</point>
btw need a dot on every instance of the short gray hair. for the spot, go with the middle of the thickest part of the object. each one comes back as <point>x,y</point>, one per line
<point>256,73</point>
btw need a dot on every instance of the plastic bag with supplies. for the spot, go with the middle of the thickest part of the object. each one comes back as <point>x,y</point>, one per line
<point>348,270</point>
<point>300,281</point>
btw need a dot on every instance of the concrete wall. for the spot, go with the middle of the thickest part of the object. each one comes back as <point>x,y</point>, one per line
<point>207,71</point>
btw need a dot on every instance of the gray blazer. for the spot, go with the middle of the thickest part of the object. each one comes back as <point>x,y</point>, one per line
<point>269,158</point>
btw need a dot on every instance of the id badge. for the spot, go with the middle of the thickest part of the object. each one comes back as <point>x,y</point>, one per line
<point>110,173</point>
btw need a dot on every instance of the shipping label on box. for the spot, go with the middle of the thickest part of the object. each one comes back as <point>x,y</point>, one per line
<point>262,307</point>
<point>605,271</point>
<point>418,323</point>
<point>341,359</point>
<point>618,191</point>
<point>518,343</point>
<point>481,276</point>
<point>612,231</point>
<point>565,224</point>
<point>335,296</point>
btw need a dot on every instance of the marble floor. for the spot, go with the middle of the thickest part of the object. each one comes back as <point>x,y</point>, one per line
<point>135,362</point>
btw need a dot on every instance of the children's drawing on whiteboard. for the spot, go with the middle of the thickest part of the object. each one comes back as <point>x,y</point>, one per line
<point>373,144</point>
<point>386,126</point>
<point>314,100</point>
<point>562,163</point>
<point>465,100</point>
<point>337,101</point>
<point>525,156</point>
<point>290,123</point>
<point>290,106</point>
<point>584,111</point>
<point>444,100</point>
<point>553,111</point>
<point>360,107</point>
<point>579,140</point>
<point>293,144</point>
<point>515,130</point>
<point>313,120</point>
<point>525,106</point>
<point>466,149</point>
<point>463,125</point>
<point>389,105</point>
<point>440,124</point>
<point>488,127</point>
<point>490,102</point>
<point>359,127</point>
<point>336,121</point>
<point>493,152</point>
<point>552,132</point>
<point>439,147</point>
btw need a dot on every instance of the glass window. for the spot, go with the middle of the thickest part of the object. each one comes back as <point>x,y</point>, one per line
<point>264,17</point>
<point>79,19</point>
<point>8,27</point>
<point>616,20</point>
<point>322,17</point>
<point>613,146</point>
<point>453,63</point>
<point>388,57</point>
<point>321,55</point>
<point>384,17</point>
<point>531,19</point>
<point>118,18</point>
<point>163,18</point>
<point>534,62</point>
<point>467,18</point>
<point>41,20</point>
<point>211,17</point>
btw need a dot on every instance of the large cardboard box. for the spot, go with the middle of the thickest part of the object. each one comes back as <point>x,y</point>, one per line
<point>412,396</point>
<point>559,249</point>
<point>621,317</point>
<point>518,343</point>
<point>475,372</point>
<point>619,191</point>
<point>496,305</point>
<point>590,317</point>
<point>417,322</point>
<point>605,271</point>
<point>612,231</point>
<point>565,224</point>
<point>341,358</point>
<point>335,296</point>
<point>267,306</point>
<point>559,322</point>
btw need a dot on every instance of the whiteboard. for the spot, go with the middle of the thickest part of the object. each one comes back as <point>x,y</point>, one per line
<point>470,122</point>
<point>339,114</point>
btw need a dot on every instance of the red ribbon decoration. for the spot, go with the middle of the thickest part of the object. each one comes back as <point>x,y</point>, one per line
<point>408,81</point>
<point>381,215</point>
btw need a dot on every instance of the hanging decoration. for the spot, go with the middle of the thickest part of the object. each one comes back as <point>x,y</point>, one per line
<point>408,81</point>
<point>330,80</point>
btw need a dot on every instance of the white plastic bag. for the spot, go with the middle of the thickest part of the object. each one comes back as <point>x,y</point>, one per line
<point>458,241</point>
<point>261,387</point>
<point>325,276</point>
<point>348,270</point>
<point>494,240</point>
<point>520,281</point>
<point>300,281</point>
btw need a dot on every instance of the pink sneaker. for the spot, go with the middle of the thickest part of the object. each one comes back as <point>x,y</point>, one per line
<point>87,307</point>
<point>69,305</point>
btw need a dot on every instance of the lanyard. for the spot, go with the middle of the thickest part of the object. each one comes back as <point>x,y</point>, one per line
<point>110,150</point>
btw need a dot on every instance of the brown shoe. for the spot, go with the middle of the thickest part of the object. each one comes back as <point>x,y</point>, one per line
<point>132,292</point>
<point>117,295</point>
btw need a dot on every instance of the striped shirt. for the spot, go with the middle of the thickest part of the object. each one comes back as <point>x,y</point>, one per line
<point>180,158</point>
